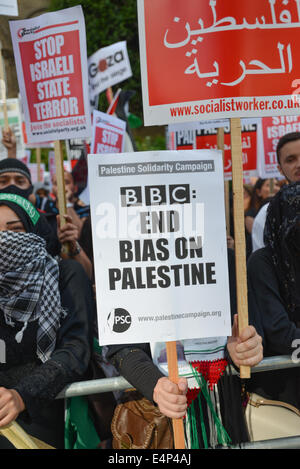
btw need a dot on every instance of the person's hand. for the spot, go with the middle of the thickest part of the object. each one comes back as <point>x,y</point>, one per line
<point>68,233</point>
<point>10,143</point>
<point>8,139</point>
<point>230,242</point>
<point>171,397</point>
<point>245,349</point>
<point>11,404</point>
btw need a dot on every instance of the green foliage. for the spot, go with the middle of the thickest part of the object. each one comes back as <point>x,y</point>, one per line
<point>107,22</point>
<point>148,143</point>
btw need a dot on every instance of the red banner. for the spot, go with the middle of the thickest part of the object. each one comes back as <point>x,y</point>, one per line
<point>215,59</point>
<point>206,139</point>
<point>272,129</point>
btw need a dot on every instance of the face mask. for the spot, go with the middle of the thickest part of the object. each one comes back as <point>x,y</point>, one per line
<point>12,189</point>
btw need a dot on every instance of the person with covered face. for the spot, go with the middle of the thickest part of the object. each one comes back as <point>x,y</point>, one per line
<point>46,312</point>
<point>15,178</point>
<point>274,285</point>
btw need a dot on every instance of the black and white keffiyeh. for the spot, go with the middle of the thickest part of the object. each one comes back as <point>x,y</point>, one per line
<point>29,288</point>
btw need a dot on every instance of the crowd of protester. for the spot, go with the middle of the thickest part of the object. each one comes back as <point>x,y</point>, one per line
<point>48,317</point>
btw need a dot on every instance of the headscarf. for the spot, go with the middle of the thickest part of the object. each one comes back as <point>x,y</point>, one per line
<point>13,165</point>
<point>282,235</point>
<point>29,288</point>
<point>23,208</point>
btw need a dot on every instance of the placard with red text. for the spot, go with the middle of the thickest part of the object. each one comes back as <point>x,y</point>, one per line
<point>51,60</point>
<point>214,59</point>
<point>272,129</point>
<point>108,133</point>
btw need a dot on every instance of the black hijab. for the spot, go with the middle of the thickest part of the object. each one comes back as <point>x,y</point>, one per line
<point>282,236</point>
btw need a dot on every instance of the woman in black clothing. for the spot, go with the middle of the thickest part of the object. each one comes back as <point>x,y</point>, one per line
<point>274,286</point>
<point>44,325</point>
<point>135,363</point>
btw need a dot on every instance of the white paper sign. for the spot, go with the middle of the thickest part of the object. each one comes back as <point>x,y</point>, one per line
<point>9,7</point>
<point>51,61</point>
<point>15,123</point>
<point>108,66</point>
<point>160,247</point>
<point>33,167</point>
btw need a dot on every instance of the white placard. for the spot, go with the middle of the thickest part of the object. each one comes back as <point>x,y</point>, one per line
<point>160,249</point>
<point>9,7</point>
<point>33,167</point>
<point>15,123</point>
<point>108,66</point>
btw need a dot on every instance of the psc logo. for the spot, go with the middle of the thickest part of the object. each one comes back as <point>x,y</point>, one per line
<point>119,320</point>
<point>104,64</point>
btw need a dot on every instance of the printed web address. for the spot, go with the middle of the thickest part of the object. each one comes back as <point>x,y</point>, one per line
<point>222,105</point>
<point>76,128</point>
<point>171,317</point>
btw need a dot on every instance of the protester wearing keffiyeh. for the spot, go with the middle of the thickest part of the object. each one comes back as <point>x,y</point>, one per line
<point>282,236</point>
<point>45,312</point>
<point>29,288</point>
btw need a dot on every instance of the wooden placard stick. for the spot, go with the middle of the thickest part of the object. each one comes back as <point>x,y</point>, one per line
<point>38,162</point>
<point>61,192</point>
<point>179,441</point>
<point>220,145</point>
<point>239,230</point>
<point>18,437</point>
<point>3,91</point>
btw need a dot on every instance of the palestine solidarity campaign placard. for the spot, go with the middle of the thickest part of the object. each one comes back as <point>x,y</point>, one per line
<point>159,246</point>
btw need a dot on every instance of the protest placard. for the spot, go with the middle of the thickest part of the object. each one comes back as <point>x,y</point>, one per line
<point>107,67</point>
<point>203,135</point>
<point>159,245</point>
<point>15,124</point>
<point>272,128</point>
<point>9,7</point>
<point>37,171</point>
<point>108,133</point>
<point>51,62</point>
<point>205,60</point>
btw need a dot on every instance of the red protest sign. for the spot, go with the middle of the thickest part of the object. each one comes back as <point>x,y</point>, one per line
<point>205,60</point>
<point>201,136</point>
<point>52,85</point>
<point>50,54</point>
<point>248,151</point>
<point>272,129</point>
<point>108,133</point>
<point>108,140</point>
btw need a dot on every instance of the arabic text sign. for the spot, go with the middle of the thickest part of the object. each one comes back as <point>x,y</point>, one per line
<point>108,66</point>
<point>108,133</point>
<point>215,59</point>
<point>159,246</point>
<point>204,136</point>
<point>50,54</point>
